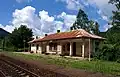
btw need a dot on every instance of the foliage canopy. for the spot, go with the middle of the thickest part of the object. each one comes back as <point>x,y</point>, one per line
<point>21,36</point>
<point>82,22</point>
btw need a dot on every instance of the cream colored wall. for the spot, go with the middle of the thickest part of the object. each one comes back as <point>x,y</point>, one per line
<point>33,48</point>
<point>43,48</point>
<point>78,49</point>
<point>39,49</point>
<point>65,52</point>
<point>87,47</point>
<point>47,49</point>
<point>59,49</point>
<point>93,46</point>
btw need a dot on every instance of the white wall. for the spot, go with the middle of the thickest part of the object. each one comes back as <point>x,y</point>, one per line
<point>33,48</point>
<point>59,49</point>
<point>39,49</point>
<point>47,48</point>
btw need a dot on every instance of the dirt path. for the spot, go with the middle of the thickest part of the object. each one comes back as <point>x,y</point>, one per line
<point>58,69</point>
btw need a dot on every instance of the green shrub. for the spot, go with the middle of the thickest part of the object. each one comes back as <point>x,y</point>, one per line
<point>118,61</point>
<point>110,52</point>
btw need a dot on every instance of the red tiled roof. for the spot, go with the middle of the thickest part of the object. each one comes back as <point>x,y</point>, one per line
<point>72,34</point>
<point>32,41</point>
<point>69,35</point>
<point>35,40</point>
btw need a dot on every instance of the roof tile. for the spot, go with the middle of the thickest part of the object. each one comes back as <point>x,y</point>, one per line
<point>68,35</point>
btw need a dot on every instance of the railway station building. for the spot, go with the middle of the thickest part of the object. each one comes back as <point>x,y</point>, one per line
<point>77,43</point>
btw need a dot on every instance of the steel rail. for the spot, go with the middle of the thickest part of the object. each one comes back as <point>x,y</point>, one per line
<point>3,75</point>
<point>21,68</point>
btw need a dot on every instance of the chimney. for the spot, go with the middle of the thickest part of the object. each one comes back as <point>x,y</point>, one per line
<point>58,31</point>
<point>36,37</point>
<point>45,34</point>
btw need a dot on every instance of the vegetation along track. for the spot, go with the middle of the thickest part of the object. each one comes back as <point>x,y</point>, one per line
<point>10,69</point>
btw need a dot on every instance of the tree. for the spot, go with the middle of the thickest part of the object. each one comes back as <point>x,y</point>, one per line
<point>20,36</point>
<point>110,50</point>
<point>93,27</point>
<point>116,3</point>
<point>116,14</point>
<point>113,35</point>
<point>82,22</point>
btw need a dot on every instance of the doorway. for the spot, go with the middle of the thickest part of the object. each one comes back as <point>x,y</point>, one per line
<point>74,48</point>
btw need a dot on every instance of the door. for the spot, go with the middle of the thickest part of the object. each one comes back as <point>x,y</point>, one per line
<point>74,48</point>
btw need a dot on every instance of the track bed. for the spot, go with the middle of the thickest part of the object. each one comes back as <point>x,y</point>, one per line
<point>15,68</point>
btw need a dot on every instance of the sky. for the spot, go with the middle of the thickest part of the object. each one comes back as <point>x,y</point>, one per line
<point>47,16</point>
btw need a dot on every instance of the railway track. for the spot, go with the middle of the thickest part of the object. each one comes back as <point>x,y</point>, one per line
<point>10,69</point>
<point>2,74</point>
<point>20,68</point>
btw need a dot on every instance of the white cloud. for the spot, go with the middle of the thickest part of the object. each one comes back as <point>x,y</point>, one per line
<point>26,16</point>
<point>106,27</point>
<point>103,5</point>
<point>68,20</point>
<point>72,4</point>
<point>8,28</point>
<point>20,1</point>
<point>104,17</point>
<point>40,24</point>
<point>45,17</point>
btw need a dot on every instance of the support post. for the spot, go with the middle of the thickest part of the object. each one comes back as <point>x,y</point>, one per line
<point>93,46</point>
<point>83,50</point>
<point>89,49</point>
<point>61,48</point>
<point>71,49</point>
<point>47,48</point>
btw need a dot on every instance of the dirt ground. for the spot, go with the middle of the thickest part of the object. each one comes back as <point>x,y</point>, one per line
<point>70,72</point>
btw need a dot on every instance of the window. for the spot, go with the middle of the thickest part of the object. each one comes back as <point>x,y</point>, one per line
<point>37,47</point>
<point>50,46</point>
<point>53,46</point>
<point>63,48</point>
<point>68,46</point>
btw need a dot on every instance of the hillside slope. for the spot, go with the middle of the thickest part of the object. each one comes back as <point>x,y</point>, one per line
<point>3,32</point>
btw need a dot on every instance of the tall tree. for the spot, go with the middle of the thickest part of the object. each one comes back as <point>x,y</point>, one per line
<point>93,27</point>
<point>21,36</point>
<point>111,48</point>
<point>113,35</point>
<point>82,22</point>
<point>96,31</point>
<point>116,3</point>
<point>116,14</point>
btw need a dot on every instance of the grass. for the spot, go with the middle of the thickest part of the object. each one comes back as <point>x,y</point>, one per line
<point>94,66</point>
